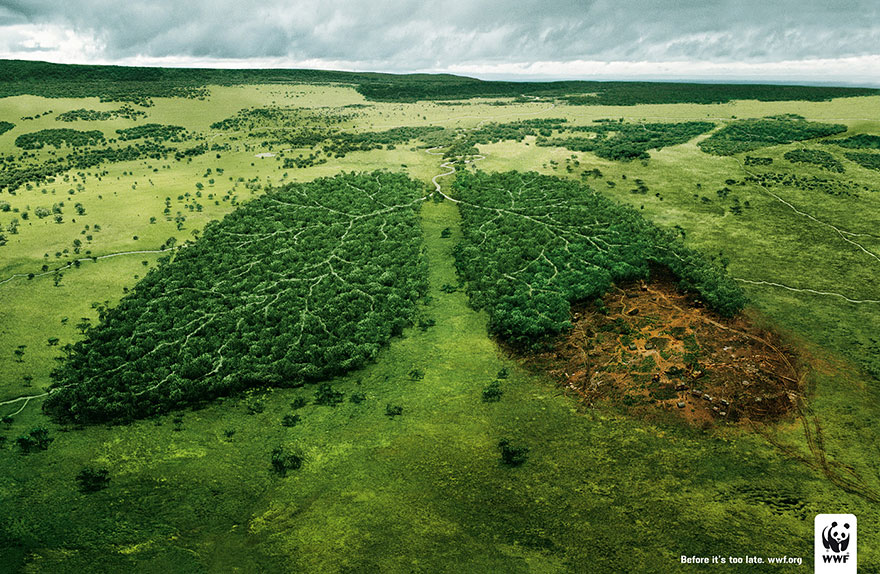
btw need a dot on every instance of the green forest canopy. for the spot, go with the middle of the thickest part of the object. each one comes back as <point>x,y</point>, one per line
<point>58,138</point>
<point>306,282</point>
<point>533,244</point>
<point>627,141</point>
<point>751,134</point>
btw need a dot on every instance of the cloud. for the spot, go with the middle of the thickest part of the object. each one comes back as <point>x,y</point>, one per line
<point>407,35</point>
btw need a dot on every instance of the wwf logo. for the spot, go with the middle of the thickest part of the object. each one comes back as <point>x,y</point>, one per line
<point>836,539</point>
<point>835,543</point>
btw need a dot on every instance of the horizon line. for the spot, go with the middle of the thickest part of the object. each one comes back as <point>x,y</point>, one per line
<point>469,72</point>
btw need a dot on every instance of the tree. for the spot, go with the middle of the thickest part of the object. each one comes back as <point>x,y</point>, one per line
<point>328,396</point>
<point>93,479</point>
<point>37,439</point>
<point>512,455</point>
<point>19,353</point>
<point>290,420</point>
<point>84,324</point>
<point>284,461</point>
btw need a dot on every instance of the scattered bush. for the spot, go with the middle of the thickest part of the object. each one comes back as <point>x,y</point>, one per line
<point>284,461</point>
<point>290,420</point>
<point>93,479</point>
<point>627,142</point>
<point>392,411</point>
<point>866,160</point>
<point>37,439</point>
<point>157,132</point>
<point>492,392</point>
<point>859,141</point>
<point>58,138</point>
<point>327,396</point>
<point>126,112</point>
<point>751,160</point>
<point>512,455</point>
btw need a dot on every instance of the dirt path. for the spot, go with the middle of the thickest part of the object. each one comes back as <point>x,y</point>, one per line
<point>449,165</point>
<point>87,260</point>
<point>20,399</point>
<point>845,235</point>
<point>804,290</point>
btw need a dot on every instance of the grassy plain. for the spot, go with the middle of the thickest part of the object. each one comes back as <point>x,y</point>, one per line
<point>425,491</point>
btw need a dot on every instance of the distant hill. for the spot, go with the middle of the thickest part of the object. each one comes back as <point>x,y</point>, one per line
<point>121,83</point>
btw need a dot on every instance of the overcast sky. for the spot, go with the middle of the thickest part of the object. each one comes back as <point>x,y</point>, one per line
<point>787,40</point>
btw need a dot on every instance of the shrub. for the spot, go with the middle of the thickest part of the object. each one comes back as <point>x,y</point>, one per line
<point>283,461</point>
<point>492,392</point>
<point>290,420</point>
<point>512,455</point>
<point>327,396</point>
<point>37,439</point>
<point>93,479</point>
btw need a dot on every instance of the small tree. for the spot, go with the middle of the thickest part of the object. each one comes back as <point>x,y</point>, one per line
<point>283,461</point>
<point>290,420</point>
<point>392,411</point>
<point>37,439</point>
<point>512,455</point>
<point>327,395</point>
<point>492,392</point>
<point>84,324</point>
<point>93,479</point>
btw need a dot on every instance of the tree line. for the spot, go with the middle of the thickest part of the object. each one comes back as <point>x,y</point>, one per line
<point>82,114</point>
<point>815,157</point>
<point>156,132</point>
<point>59,138</point>
<point>141,84</point>
<point>751,134</point>
<point>628,141</point>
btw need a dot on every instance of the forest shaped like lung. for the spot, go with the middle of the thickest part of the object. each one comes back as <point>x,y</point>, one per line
<point>304,283</point>
<point>533,244</point>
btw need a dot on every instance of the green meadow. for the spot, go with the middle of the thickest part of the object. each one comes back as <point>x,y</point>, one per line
<point>406,473</point>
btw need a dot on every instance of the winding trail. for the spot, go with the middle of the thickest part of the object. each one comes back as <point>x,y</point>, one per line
<point>804,290</point>
<point>449,165</point>
<point>87,260</point>
<point>26,401</point>
<point>841,232</point>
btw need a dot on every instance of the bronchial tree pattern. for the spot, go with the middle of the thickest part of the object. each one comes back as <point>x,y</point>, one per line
<point>304,283</point>
<point>532,244</point>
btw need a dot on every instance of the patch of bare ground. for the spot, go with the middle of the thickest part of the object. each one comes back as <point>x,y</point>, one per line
<point>648,348</point>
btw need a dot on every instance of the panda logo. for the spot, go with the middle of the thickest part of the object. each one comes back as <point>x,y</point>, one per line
<point>835,540</point>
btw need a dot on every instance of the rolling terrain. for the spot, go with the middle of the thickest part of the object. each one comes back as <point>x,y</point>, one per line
<point>395,321</point>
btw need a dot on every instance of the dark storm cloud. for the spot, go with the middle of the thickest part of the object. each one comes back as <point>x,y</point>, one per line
<point>403,35</point>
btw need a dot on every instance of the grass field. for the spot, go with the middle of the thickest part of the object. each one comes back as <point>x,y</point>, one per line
<point>425,491</point>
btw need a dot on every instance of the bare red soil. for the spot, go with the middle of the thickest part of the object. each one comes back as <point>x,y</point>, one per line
<point>649,347</point>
